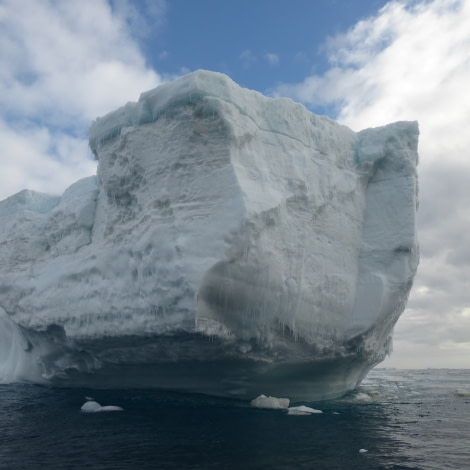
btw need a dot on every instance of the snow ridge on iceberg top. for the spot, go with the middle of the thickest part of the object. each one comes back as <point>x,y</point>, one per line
<point>28,200</point>
<point>190,88</point>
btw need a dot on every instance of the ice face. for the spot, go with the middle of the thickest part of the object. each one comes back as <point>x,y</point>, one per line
<point>230,244</point>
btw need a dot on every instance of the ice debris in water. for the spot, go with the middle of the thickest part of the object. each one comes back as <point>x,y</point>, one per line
<point>302,410</point>
<point>271,403</point>
<point>92,406</point>
<point>360,396</point>
<point>363,451</point>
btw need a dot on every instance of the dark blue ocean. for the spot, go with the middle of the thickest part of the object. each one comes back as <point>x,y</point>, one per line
<point>404,419</point>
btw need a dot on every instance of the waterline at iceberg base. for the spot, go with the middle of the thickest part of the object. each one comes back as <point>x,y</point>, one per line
<point>230,244</point>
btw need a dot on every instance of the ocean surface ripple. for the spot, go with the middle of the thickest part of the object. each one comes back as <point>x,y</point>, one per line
<point>397,419</point>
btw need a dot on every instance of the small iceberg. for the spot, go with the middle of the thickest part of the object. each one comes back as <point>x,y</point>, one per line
<point>363,451</point>
<point>92,406</point>
<point>463,393</point>
<point>271,403</point>
<point>302,410</point>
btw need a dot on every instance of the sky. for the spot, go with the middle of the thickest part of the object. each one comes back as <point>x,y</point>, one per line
<point>363,63</point>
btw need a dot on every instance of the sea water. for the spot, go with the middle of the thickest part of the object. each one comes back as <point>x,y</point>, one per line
<point>397,419</point>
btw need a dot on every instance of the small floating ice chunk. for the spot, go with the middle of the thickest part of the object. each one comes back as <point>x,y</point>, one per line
<point>271,403</point>
<point>298,413</point>
<point>92,406</point>
<point>363,451</point>
<point>302,410</point>
<point>463,393</point>
<point>360,396</point>
<point>111,408</point>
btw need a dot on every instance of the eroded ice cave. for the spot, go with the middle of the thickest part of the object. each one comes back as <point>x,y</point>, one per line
<point>230,244</point>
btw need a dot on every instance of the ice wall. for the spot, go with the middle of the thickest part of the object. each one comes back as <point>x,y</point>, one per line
<point>223,228</point>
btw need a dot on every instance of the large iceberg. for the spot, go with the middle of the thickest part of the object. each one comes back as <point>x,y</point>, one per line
<point>230,244</point>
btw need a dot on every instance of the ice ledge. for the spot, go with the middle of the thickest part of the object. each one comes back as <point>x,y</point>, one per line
<point>27,200</point>
<point>197,87</point>
<point>154,103</point>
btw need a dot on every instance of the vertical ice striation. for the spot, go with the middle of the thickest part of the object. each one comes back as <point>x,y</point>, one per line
<point>230,244</point>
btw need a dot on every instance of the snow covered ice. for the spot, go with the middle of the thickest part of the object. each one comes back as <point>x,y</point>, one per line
<point>302,410</point>
<point>272,403</point>
<point>230,244</point>
<point>92,406</point>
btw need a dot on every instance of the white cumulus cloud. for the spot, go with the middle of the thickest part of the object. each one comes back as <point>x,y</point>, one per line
<point>63,64</point>
<point>248,58</point>
<point>272,59</point>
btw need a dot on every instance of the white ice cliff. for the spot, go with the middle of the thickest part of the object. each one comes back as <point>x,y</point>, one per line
<point>230,244</point>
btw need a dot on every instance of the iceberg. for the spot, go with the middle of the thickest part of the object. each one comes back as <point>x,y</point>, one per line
<point>230,244</point>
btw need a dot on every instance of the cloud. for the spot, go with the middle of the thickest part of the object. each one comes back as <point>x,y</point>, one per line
<point>150,18</point>
<point>248,58</point>
<point>63,65</point>
<point>34,157</point>
<point>412,61</point>
<point>163,55</point>
<point>272,59</point>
